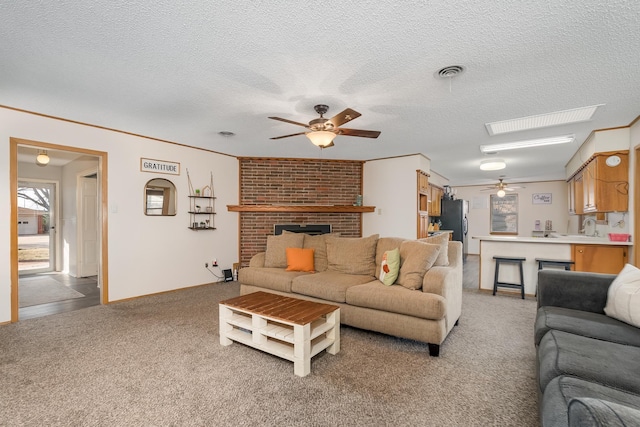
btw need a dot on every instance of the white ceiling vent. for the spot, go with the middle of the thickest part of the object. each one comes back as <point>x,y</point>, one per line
<point>450,71</point>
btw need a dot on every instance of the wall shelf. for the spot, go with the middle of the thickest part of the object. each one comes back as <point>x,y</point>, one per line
<point>201,217</point>
<point>301,208</point>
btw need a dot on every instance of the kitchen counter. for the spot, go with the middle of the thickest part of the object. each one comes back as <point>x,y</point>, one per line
<point>531,248</point>
<point>560,239</point>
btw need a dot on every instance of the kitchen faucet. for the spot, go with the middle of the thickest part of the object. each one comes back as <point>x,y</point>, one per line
<point>584,227</point>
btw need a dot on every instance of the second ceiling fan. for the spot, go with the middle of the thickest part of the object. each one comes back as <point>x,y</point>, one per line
<point>322,131</point>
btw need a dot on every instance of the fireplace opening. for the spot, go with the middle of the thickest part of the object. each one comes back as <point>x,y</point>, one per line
<point>313,229</point>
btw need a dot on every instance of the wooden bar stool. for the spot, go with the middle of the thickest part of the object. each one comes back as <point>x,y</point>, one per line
<point>542,262</point>
<point>509,260</point>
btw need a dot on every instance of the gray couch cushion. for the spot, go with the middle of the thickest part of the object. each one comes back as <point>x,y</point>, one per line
<point>611,364</point>
<point>328,285</point>
<point>585,323</point>
<point>601,413</point>
<point>397,299</point>
<point>276,279</point>
<point>561,390</point>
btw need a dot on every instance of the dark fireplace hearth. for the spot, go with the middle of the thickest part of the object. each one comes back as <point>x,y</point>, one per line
<point>302,228</point>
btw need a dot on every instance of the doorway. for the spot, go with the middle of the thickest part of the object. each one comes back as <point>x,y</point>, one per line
<point>53,231</point>
<point>36,226</point>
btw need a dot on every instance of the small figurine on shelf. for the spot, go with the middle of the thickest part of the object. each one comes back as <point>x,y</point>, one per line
<point>197,190</point>
<point>197,208</point>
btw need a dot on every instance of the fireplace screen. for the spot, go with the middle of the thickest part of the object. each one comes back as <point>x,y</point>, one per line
<point>302,228</point>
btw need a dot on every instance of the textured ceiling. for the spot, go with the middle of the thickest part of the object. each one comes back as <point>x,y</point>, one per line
<point>183,71</point>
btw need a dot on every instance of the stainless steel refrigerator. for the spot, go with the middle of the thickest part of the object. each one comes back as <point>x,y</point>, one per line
<point>454,217</point>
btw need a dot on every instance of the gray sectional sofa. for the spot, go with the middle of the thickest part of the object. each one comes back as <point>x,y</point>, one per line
<point>423,304</point>
<point>588,362</point>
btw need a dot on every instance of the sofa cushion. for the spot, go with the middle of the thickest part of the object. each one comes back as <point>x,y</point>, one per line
<point>390,267</point>
<point>415,259</point>
<point>277,279</point>
<point>328,285</point>
<point>588,411</point>
<point>396,299</point>
<point>299,259</point>
<point>584,323</point>
<point>610,364</point>
<point>563,390</point>
<point>442,240</point>
<point>352,255</point>
<point>319,244</point>
<point>385,244</point>
<point>623,297</point>
<point>275,256</point>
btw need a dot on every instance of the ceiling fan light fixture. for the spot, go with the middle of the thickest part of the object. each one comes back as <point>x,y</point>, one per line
<point>492,165</point>
<point>553,140</point>
<point>42,159</point>
<point>321,138</point>
<point>501,193</point>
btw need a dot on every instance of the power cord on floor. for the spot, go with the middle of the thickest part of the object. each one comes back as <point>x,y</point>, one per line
<point>220,278</point>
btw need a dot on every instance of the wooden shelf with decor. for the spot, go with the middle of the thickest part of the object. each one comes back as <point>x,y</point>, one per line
<point>424,203</point>
<point>201,206</point>
<point>301,208</point>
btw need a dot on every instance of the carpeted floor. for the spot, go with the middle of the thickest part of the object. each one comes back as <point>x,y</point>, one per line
<point>157,361</point>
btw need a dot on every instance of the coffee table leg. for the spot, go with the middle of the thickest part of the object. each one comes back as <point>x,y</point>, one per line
<point>302,350</point>
<point>334,333</point>
<point>225,314</point>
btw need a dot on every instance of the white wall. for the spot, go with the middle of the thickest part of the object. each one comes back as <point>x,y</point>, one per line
<point>528,213</point>
<point>391,186</point>
<point>146,254</point>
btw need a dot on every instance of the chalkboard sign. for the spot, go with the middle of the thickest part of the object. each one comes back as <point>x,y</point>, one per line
<point>504,214</point>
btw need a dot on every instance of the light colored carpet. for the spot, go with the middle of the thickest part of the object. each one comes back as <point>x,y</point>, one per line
<point>41,290</point>
<point>157,361</point>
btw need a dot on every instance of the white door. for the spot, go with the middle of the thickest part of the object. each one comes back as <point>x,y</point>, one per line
<point>89,254</point>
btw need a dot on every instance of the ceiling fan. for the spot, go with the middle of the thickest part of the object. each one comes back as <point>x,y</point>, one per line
<point>322,131</point>
<point>501,188</point>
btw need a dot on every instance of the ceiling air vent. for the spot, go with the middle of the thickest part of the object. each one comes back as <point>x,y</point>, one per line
<point>450,71</point>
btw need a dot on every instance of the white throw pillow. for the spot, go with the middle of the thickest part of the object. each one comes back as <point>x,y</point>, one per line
<point>623,298</point>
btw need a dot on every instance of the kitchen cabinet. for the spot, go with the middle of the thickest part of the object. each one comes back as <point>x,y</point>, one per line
<point>435,207</point>
<point>604,181</point>
<point>578,194</point>
<point>571,196</point>
<point>599,258</point>
<point>423,203</point>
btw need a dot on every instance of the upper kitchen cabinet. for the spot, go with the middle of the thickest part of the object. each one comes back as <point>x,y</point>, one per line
<point>605,183</point>
<point>435,197</point>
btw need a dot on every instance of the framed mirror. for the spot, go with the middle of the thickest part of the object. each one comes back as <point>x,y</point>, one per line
<point>160,198</point>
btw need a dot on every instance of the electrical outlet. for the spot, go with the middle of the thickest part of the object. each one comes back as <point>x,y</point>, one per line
<point>206,265</point>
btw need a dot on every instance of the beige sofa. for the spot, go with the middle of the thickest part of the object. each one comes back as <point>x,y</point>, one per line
<point>347,272</point>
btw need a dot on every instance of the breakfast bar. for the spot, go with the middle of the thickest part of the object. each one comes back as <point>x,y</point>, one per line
<point>596,254</point>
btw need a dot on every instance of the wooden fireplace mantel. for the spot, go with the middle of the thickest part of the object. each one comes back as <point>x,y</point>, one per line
<point>301,208</point>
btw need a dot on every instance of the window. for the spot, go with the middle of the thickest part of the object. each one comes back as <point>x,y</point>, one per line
<point>504,214</point>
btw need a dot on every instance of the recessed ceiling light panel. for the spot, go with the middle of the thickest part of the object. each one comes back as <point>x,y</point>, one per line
<point>564,117</point>
<point>565,139</point>
<point>492,165</point>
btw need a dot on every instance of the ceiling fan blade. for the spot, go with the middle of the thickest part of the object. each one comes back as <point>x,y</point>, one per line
<point>289,121</point>
<point>359,132</point>
<point>287,136</point>
<point>344,117</point>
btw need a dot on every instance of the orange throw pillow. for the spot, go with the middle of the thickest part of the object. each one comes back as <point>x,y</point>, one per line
<point>299,259</point>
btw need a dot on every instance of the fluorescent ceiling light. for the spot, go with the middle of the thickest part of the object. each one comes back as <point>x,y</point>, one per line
<point>564,117</point>
<point>491,148</point>
<point>492,165</point>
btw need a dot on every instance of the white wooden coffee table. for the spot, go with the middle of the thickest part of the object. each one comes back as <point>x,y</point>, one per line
<point>290,328</point>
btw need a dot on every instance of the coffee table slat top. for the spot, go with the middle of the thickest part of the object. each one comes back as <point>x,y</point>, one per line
<point>293,310</point>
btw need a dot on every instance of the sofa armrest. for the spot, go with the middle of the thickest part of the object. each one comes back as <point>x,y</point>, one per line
<point>587,411</point>
<point>257,260</point>
<point>574,289</point>
<point>438,279</point>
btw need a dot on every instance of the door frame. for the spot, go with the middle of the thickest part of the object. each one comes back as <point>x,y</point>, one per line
<point>80,217</point>
<point>54,241</point>
<point>103,273</point>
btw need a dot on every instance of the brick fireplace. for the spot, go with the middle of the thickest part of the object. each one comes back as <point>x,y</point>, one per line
<point>296,191</point>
